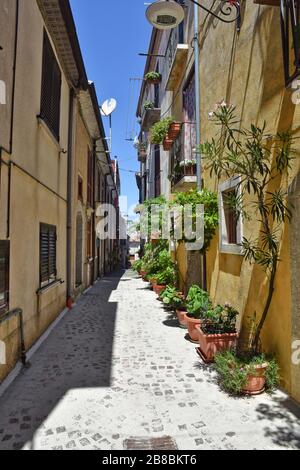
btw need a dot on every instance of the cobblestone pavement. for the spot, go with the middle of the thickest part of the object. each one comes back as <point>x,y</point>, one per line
<point>117,368</point>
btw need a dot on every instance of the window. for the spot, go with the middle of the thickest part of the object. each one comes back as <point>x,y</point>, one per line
<point>231,224</point>
<point>80,188</point>
<point>4,276</point>
<point>157,171</point>
<point>90,178</point>
<point>48,241</point>
<point>51,89</point>
<point>89,239</point>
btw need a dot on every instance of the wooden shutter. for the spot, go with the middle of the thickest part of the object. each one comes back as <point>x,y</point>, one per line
<point>90,178</point>
<point>51,89</point>
<point>4,275</point>
<point>47,253</point>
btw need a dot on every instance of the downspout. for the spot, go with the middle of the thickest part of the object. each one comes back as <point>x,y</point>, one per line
<point>198,124</point>
<point>69,198</point>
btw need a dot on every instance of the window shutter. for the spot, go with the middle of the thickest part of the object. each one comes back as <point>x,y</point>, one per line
<point>51,88</point>
<point>47,253</point>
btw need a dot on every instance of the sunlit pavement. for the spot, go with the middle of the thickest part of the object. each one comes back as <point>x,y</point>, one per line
<point>117,368</point>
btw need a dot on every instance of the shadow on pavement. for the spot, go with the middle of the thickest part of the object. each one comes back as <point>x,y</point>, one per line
<point>285,416</point>
<point>77,354</point>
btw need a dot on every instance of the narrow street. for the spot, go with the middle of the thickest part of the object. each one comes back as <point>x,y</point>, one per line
<point>117,369</point>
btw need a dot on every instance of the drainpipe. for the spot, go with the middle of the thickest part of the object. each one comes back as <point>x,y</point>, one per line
<point>198,123</point>
<point>197,92</point>
<point>69,198</point>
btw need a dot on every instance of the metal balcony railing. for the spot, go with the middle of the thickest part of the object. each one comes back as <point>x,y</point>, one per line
<point>183,156</point>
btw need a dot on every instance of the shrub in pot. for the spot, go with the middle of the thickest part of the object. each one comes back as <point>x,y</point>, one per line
<point>165,277</point>
<point>217,332</point>
<point>153,77</point>
<point>198,304</point>
<point>137,266</point>
<point>148,105</point>
<point>172,298</point>
<point>248,374</point>
<point>159,131</point>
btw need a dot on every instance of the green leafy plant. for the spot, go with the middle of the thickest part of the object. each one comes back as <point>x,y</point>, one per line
<point>149,218</point>
<point>159,130</point>
<point>234,370</point>
<point>153,76</point>
<point>260,160</point>
<point>167,276</point>
<point>148,105</point>
<point>220,320</point>
<point>172,298</point>
<point>211,212</point>
<point>137,266</point>
<point>198,302</point>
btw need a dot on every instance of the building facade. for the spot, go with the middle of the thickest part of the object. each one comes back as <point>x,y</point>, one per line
<point>241,63</point>
<point>50,177</point>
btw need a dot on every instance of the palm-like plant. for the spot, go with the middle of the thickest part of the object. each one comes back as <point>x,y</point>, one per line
<point>259,160</point>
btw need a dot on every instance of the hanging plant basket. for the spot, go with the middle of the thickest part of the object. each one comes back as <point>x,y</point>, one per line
<point>174,130</point>
<point>167,144</point>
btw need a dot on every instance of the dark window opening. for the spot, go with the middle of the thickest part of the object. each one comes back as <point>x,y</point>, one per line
<point>157,171</point>
<point>90,177</point>
<point>51,89</point>
<point>4,276</point>
<point>80,188</point>
<point>48,239</point>
<point>231,218</point>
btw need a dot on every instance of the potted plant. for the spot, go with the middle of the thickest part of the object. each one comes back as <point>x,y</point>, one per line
<point>165,277</point>
<point>159,131</point>
<point>172,298</point>
<point>153,78</point>
<point>174,130</point>
<point>245,373</point>
<point>148,105</point>
<point>217,332</point>
<point>189,167</point>
<point>198,304</point>
<point>137,266</point>
<point>142,149</point>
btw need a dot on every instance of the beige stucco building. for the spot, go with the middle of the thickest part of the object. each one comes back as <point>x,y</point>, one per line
<point>50,131</point>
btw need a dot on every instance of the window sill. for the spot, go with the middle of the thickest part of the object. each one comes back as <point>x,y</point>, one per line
<point>45,289</point>
<point>226,249</point>
<point>49,133</point>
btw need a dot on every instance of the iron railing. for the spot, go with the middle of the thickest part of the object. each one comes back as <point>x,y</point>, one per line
<point>183,156</point>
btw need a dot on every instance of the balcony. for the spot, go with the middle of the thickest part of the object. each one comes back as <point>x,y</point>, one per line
<point>176,59</point>
<point>150,117</point>
<point>183,164</point>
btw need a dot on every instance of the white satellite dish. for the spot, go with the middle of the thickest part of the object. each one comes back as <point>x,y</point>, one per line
<point>108,107</point>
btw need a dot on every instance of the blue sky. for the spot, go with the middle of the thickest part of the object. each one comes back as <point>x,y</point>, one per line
<point>111,34</point>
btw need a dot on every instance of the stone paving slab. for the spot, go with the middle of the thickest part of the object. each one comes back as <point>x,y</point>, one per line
<point>118,368</point>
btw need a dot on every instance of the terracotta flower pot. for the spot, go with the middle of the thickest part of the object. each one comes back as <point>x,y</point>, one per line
<point>210,345</point>
<point>174,130</point>
<point>182,318</point>
<point>167,144</point>
<point>143,273</point>
<point>159,289</point>
<point>256,383</point>
<point>191,324</point>
<point>153,282</point>
<point>155,81</point>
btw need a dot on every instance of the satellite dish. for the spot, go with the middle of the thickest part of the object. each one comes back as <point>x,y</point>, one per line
<point>108,107</point>
<point>165,14</point>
